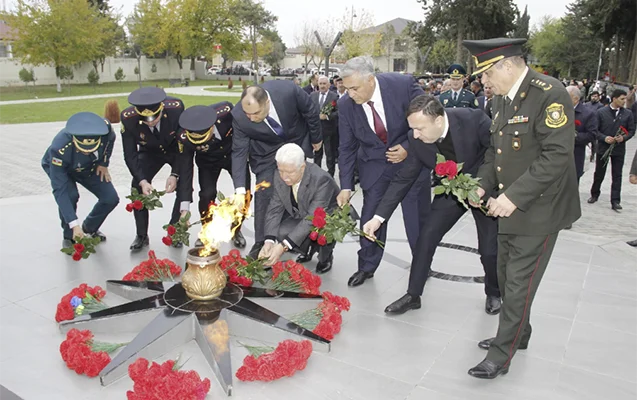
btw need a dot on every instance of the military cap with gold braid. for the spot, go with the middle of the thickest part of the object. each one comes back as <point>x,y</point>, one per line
<point>87,129</point>
<point>488,52</point>
<point>148,102</point>
<point>198,122</point>
<point>456,71</point>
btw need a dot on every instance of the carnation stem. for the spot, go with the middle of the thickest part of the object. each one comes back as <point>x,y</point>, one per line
<point>105,346</point>
<point>256,351</point>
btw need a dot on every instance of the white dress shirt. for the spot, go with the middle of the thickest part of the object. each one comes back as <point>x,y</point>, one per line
<point>377,98</point>
<point>516,85</point>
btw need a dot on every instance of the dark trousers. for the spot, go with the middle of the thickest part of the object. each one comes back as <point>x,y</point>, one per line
<point>580,157</point>
<point>330,144</point>
<point>445,212</point>
<point>209,171</point>
<point>261,202</point>
<point>522,261</point>
<point>617,163</point>
<point>151,164</point>
<point>107,200</point>
<point>415,207</point>
<point>289,223</point>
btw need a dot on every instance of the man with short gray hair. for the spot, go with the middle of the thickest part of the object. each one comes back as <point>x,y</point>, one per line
<point>299,188</point>
<point>585,128</point>
<point>373,132</point>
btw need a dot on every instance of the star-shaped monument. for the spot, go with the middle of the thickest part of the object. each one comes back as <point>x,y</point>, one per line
<point>167,318</point>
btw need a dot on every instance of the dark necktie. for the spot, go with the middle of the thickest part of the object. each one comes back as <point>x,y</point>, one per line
<point>379,127</point>
<point>455,97</point>
<point>322,100</point>
<point>278,129</point>
<point>155,132</point>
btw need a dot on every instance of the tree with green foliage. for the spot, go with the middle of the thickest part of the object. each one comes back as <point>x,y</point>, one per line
<point>65,73</point>
<point>276,52</point>
<point>26,76</point>
<point>119,75</point>
<point>522,24</point>
<point>257,20</point>
<point>386,44</point>
<point>442,55</point>
<point>93,79</point>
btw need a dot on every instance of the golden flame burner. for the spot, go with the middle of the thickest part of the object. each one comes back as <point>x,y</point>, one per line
<point>203,279</point>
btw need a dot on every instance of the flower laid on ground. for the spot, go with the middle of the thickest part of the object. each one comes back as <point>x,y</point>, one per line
<point>165,382</point>
<point>140,201</point>
<point>463,187</point>
<point>623,132</point>
<point>325,320</point>
<point>294,277</point>
<point>154,269</point>
<point>327,228</point>
<point>83,247</point>
<point>84,355</point>
<point>178,233</point>
<point>267,363</point>
<point>81,300</point>
<point>243,271</point>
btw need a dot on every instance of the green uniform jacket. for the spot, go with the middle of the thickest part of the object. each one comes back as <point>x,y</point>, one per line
<point>530,159</point>
<point>466,99</point>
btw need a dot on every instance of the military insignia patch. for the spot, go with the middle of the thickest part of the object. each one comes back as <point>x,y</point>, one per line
<point>518,119</point>
<point>445,102</point>
<point>56,161</point>
<point>475,102</point>
<point>555,117</point>
<point>142,136</point>
<point>181,147</point>
<point>516,143</point>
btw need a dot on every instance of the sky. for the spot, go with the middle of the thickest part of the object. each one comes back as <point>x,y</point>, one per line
<point>292,15</point>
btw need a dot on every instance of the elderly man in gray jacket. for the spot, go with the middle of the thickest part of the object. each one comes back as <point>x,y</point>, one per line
<point>299,188</point>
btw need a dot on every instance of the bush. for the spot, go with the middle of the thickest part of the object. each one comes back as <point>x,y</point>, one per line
<point>230,83</point>
<point>27,76</point>
<point>136,71</point>
<point>153,68</point>
<point>119,75</point>
<point>93,78</point>
<point>245,85</point>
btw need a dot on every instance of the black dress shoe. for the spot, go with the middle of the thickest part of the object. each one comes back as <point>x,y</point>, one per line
<point>238,240</point>
<point>486,344</point>
<point>487,370</point>
<point>67,243</point>
<point>139,242</point>
<point>569,227</point>
<point>592,200</point>
<point>97,234</point>
<point>404,304</point>
<point>255,250</point>
<point>492,305</point>
<point>616,207</point>
<point>303,258</point>
<point>359,278</point>
<point>198,243</point>
<point>323,267</point>
<point>632,243</point>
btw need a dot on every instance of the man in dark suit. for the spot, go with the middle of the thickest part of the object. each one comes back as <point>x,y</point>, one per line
<point>461,135</point>
<point>585,129</point>
<point>633,180</point>
<point>484,102</point>
<point>267,117</point>
<point>149,140</point>
<point>206,136</point>
<point>299,189</point>
<point>373,134</point>
<point>611,120</point>
<point>595,104</point>
<point>313,85</point>
<point>325,100</point>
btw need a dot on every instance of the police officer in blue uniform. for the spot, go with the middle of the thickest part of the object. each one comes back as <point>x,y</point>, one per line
<point>206,134</point>
<point>457,96</point>
<point>80,153</point>
<point>149,137</point>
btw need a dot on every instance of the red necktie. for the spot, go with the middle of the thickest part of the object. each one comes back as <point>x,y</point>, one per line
<point>379,127</point>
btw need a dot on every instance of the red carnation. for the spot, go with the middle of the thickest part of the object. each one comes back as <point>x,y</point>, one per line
<point>448,168</point>
<point>129,207</point>
<point>320,212</point>
<point>78,247</point>
<point>319,222</point>
<point>578,122</point>
<point>314,235</point>
<point>138,205</point>
<point>624,130</point>
<point>171,230</point>
<point>167,240</point>
<point>333,103</point>
<point>322,240</point>
<point>77,256</point>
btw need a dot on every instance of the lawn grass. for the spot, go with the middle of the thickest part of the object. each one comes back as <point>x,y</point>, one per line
<point>62,110</point>
<point>49,91</point>
<point>224,88</point>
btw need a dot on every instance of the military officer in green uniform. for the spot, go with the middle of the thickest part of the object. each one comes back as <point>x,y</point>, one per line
<point>528,181</point>
<point>457,97</point>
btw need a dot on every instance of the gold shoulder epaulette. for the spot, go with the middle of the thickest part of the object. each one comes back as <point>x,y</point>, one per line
<point>129,113</point>
<point>222,112</point>
<point>541,84</point>
<point>63,149</point>
<point>173,104</point>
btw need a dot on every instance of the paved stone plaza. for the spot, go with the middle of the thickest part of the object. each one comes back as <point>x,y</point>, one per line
<point>584,344</point>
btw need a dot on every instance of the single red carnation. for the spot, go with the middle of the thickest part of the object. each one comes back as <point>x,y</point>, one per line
<point>448,168</point>
<point>314,235</point>
<point>333,103</point>
<point>578,122</point>
<point>319,222</point>
<point>171,230</point>
<point>129,207</point>
<point>64,312</point>
<point>77,256</point>
<point>167,240</point>
<point>79,247</point>
<point>624,130</point>
<point>320,212</point>
<point>322,240</point>
<point>138,205</point>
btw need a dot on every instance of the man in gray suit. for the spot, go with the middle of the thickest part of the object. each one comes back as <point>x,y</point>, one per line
<point>299,188</point>
<point>267,117</point>
<point>325,99</point>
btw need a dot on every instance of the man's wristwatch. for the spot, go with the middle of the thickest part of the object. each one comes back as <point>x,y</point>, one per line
<point>285,248</point>
<point>175,175</point>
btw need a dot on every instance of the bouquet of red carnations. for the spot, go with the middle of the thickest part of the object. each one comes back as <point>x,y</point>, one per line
<point>154,269</point>
<point>327,228</point>
<point>294,277</point>
<point>267,363</point>
<point>178,233</point>
<point>463,187</point>
<point>621,132</point>
<point>243,271</point>
<point>81,300</point>
<point>139,201</point>
<point>165,382</point>
<point>325,320</point>
<point>84,355</point>
<point>83,247</point>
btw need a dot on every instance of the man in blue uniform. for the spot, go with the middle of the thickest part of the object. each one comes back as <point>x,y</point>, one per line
<point>149,139</point>
<point>206,135</point>
<point>457,96</point>
<point>80,153</point>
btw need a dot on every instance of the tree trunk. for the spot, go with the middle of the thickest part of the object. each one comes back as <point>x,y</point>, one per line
<point>616,61</point>
<point>459,40</point>
<point>180,62</point>
<point>192,69</point>
<point>102,61</point>
<point>57,80</point>
<point>95,65</point>
<point>255,57</point>
<point>632,66</point>
<point>139,69</point>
